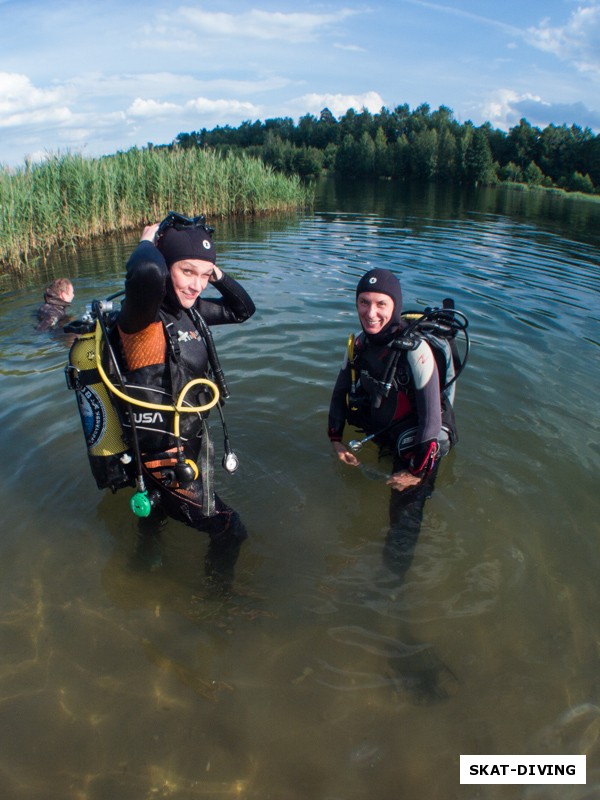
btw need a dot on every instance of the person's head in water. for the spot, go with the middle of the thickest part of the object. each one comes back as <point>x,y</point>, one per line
<point>60,290</point>
<point>379,302</point>
<point>190,256</point>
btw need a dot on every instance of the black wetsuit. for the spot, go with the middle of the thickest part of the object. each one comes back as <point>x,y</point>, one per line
<point>412,403</point>
<point>162,350</point>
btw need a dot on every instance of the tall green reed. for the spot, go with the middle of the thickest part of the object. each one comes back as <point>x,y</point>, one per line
<point>69,199</point>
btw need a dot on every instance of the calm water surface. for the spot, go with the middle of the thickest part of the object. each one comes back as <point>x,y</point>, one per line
<point>323,676</point>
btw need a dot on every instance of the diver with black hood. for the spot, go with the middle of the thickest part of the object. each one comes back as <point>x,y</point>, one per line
<point>164,342</point>
<point>397,385</point>
<point>389,387</point>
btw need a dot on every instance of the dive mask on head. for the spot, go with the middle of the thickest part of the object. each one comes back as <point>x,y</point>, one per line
<point>182,238</point>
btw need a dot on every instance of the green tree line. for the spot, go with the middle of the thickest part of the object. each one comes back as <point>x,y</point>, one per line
<point>421,144</point>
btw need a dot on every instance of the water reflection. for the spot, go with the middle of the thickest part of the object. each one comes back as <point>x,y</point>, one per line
<point>323,673</point>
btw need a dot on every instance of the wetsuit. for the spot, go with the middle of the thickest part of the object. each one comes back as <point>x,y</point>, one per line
<point>52,311</point>
<point>413,404</point>
<point>162,350</point>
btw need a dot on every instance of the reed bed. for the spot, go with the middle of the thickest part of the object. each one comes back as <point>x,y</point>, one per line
<point>69,199</point>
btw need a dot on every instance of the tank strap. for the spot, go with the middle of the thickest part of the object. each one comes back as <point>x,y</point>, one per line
<point>77,378</point>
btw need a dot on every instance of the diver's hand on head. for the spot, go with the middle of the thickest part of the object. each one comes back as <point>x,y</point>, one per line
<point>215,275</point>
<point>403,480</point>
<point>149,233</point>
<point>345,455</point>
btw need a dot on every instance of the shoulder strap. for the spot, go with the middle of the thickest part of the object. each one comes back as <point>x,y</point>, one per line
<point>171,338</point>
<point>178,379</point>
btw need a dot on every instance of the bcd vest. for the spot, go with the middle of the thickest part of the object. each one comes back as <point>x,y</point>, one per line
<point>185,358</point>
<point>373,406</point>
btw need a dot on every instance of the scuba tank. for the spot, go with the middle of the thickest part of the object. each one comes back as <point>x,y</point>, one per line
<point>108,451</point>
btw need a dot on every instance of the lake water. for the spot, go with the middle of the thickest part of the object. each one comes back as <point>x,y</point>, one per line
<point>323,676</point>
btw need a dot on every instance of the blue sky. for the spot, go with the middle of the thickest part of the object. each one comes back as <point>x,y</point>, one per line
<point>104,76</point>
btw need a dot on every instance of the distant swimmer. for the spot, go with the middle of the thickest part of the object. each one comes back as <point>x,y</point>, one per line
<point>57,299</point>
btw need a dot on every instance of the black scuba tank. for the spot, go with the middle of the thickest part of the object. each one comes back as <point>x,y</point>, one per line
<point>110,458</point>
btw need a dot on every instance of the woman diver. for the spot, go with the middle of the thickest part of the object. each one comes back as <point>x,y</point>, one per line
<point>389,387</point>
<point>164,342</point>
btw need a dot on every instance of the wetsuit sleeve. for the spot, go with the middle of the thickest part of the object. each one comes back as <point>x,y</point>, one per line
<point>234,305</point>
<point>338,407</point>
<point>426,381</point>
<point>145,286</point>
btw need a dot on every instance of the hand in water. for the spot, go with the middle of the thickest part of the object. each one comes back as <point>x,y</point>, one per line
<point>345,455</point>
<point>403,480</point>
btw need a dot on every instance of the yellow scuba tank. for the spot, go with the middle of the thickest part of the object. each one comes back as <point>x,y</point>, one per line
<point>108,451</point>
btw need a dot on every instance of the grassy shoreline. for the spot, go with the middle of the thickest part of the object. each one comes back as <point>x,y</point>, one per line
<point>70,200</point>
<point>549,190</point>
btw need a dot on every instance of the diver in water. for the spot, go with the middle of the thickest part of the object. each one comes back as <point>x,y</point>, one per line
<point>164,343</point>
<point>146,377</point>
<point>397,385</point>
<point>57,299</point>
<point>389,387</point>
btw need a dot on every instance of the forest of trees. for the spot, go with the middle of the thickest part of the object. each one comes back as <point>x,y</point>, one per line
<point>422,145</point>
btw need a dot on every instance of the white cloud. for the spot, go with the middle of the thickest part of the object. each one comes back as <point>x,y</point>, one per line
<point>222,108</point>
<point>350,48</point>
<point>167,84</point>
<point>266,25</point>
<point>213,111</point>
<point>500,108</point>
<point>151,108</point>
<point>506,107</point>
<point>18,94</point>
<point>338,104</point>
<point>46,116</point>
<point>577,42</point>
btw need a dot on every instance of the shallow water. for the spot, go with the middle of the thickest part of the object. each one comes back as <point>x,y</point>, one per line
<point>323,676</point>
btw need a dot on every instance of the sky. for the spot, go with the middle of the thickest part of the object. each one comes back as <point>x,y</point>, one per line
<point>99,77</point>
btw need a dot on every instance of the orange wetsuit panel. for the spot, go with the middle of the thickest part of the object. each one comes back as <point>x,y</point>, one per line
<point>145,347</point>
